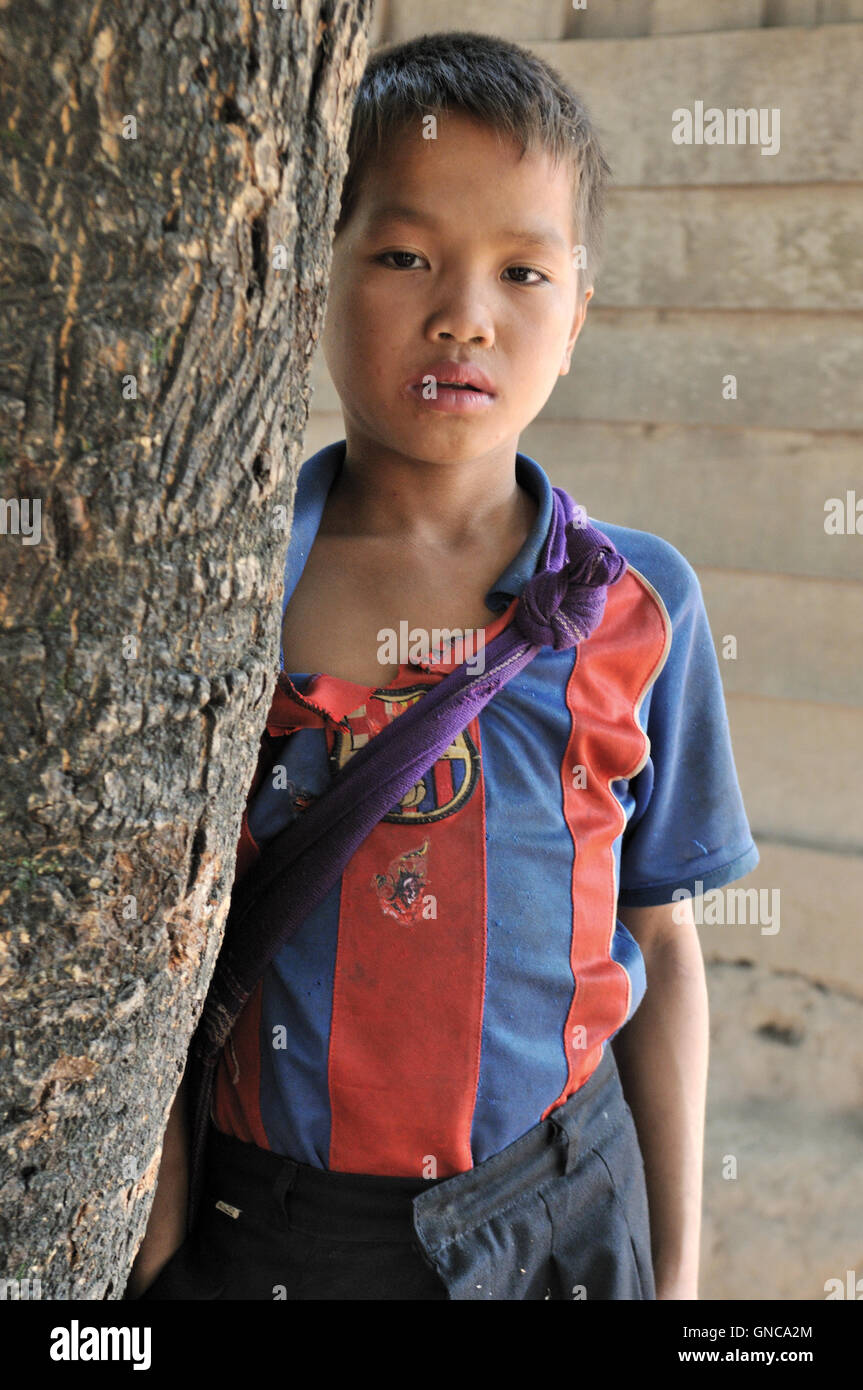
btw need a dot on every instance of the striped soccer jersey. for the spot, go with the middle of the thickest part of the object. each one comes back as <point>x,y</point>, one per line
<point>464,976</point>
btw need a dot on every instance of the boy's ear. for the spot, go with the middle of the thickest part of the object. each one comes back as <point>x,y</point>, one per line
<point>577,322</point>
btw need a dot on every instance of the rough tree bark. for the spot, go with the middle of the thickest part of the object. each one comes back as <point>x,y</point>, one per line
<point>171,177</point>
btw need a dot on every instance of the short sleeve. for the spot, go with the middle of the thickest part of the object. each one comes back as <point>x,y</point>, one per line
<point>688,829</point>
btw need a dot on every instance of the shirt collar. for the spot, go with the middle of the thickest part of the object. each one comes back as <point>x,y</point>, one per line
<point>317,475</point>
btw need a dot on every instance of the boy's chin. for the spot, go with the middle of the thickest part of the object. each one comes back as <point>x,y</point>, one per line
<point>444,446</point>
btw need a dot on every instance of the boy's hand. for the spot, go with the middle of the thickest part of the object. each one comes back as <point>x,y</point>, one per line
<point>166,1229</point>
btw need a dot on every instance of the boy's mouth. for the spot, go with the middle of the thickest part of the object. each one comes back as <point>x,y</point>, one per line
<point>453,388</point>
<point>464,377</point>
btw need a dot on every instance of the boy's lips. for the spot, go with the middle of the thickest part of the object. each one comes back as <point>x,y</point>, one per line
<point>458,374</point>
<point>460,388</point>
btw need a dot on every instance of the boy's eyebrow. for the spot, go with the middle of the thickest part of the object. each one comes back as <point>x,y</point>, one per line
<point>529,236</point>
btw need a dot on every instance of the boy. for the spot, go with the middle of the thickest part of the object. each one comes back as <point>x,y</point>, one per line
<point>419,1099</point>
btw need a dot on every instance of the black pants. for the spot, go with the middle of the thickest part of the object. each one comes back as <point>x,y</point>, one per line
<point>561,1213</point>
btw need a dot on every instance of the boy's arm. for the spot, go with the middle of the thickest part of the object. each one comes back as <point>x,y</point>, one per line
<point>166,1229</point>
<point>662,1058</point>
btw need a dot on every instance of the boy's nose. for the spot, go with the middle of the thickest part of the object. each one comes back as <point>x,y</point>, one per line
<point>461,316</point>
<point>461,327</point>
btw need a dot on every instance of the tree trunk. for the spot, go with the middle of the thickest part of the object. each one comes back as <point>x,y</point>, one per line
<point>171,177</point>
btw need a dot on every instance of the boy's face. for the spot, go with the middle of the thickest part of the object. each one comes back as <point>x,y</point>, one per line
<point>446,276</point>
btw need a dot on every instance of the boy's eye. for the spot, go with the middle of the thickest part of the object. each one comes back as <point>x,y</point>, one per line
<point>414,255</point>
<point>530,270</point>
<point>410,255</point>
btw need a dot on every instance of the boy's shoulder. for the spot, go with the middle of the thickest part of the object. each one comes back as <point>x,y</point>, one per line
<point>654,559</point>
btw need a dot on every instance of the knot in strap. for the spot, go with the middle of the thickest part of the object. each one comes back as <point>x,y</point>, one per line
<point>561,607</point>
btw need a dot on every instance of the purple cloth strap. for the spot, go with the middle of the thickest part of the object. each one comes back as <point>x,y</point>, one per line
<point>558,607</point>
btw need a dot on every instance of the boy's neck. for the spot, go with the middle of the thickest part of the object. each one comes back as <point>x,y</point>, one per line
<point>381,493</point>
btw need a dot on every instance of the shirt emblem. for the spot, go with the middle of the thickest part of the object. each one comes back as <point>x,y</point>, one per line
<point>443,790</point>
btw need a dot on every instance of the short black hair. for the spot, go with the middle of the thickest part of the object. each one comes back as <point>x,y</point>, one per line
<point>499,83</point>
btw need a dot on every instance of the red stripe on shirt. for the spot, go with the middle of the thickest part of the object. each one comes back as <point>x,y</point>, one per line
<point>408,1001</point>
<point>612,669</point>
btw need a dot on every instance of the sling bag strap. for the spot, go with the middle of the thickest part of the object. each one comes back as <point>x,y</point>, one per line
<point>559,607</point>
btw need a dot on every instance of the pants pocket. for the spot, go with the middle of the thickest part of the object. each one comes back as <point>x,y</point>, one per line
<point>626,1166</point>
<point>601,1245</point>
<point>256,1260</point>
<point>507,1257</point>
